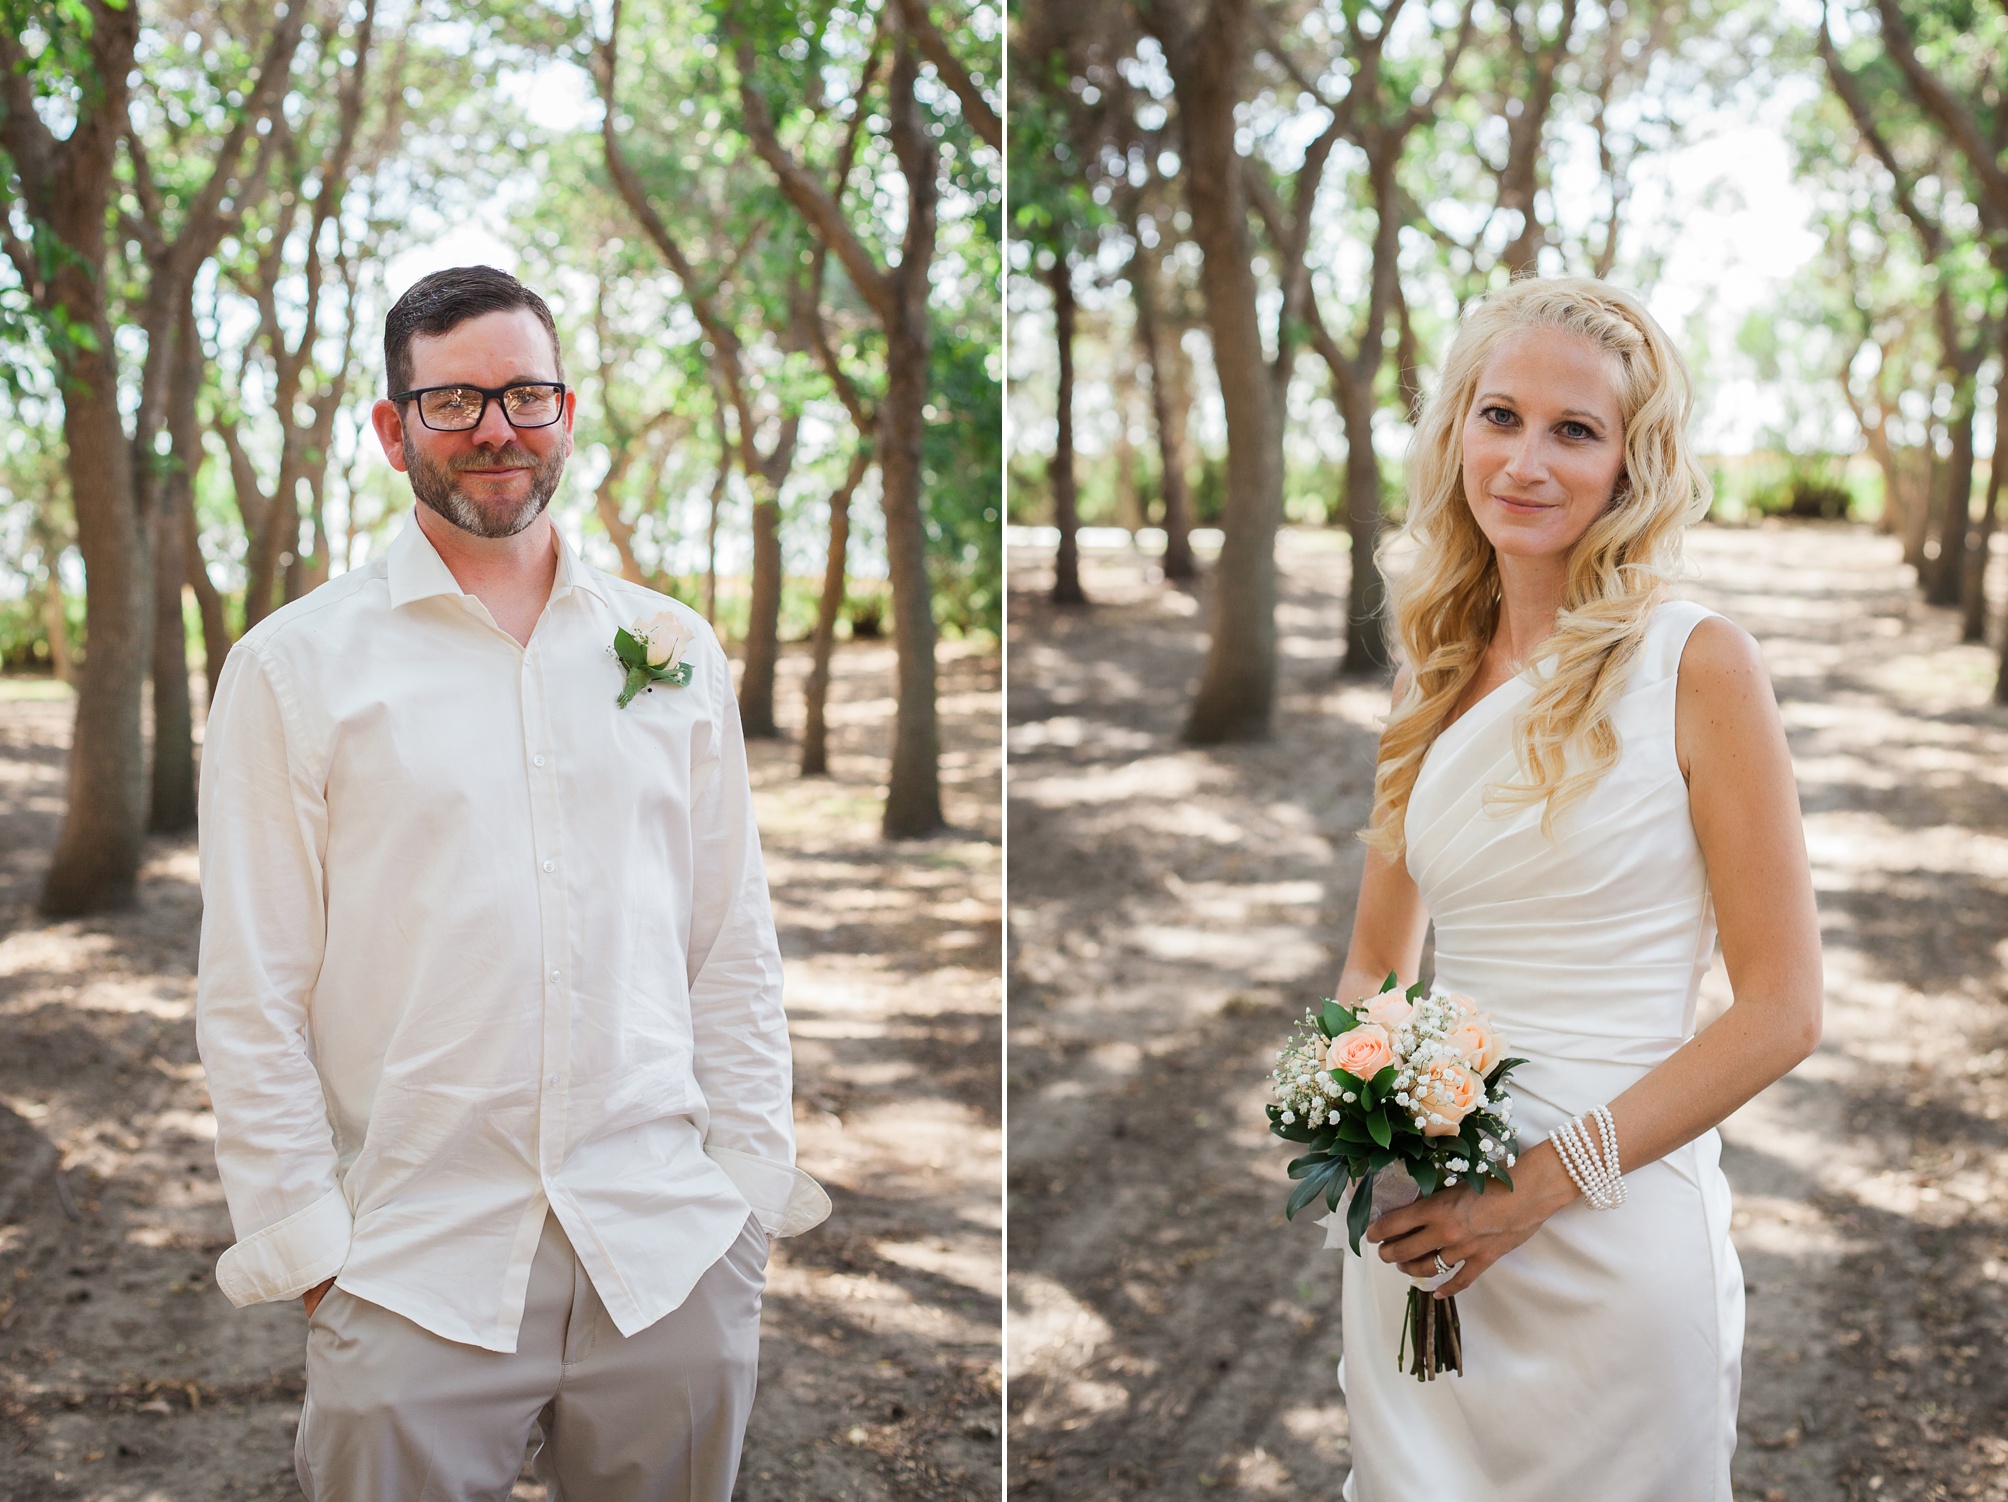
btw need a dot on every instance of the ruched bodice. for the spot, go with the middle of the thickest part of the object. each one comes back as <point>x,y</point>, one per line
<point>1588,949</point>
<point>1602,1355</point>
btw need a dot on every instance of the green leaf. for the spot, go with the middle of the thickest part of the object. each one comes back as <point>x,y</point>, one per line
<point>1426,1175</point>
<point>1336,1020</point>
<point>1390,983</point>
<point>1383,1082</point>
<point>1301,1166</point>
<point>630,649</point>
<point>1310,1188</point>
<point>1500,1070</point>
<point>1350,1130</point>
<point>1377,1126</point>
<point>1360,1211</point>
<point>1414,992</point>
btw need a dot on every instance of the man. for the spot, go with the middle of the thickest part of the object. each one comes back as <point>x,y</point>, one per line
<point>490,999</point>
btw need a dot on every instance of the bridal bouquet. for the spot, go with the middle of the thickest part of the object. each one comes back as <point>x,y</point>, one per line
<point>1407,1088</point>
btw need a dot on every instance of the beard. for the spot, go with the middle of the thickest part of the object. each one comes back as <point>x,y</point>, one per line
<point>435,485</point>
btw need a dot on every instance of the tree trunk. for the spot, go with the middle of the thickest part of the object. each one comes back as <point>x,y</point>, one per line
<point>1973,587</point>
<point>718,484</point>
<point>173,801</point>
<point>1066,500</point>
<point>1917,510</point>
<point>913,794</point>
<point>215,630</point>
<point>763,625</point>
<point>1128,493</point>
<point>816,693</point>
<point>766,474</point>
<point>1168,417</point>
<point>97,855</point>
<point>56,622</point>
<point>1366,593</point>
<point>1955,514</point>
<point>618,527</point>
<point>1237,686</point>
<point>55,609</point>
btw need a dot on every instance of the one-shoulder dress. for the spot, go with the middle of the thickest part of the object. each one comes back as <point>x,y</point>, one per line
<point>1602,1356</point>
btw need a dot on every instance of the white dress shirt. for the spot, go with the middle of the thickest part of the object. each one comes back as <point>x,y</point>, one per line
<point>474,942</point>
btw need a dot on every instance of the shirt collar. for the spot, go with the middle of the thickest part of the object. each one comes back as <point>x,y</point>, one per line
<point>417,572</point>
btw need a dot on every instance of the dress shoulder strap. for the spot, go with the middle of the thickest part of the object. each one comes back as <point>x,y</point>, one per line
<point>1673,621</point>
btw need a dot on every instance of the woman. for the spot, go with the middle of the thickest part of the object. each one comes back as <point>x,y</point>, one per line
<point>1581,780</point>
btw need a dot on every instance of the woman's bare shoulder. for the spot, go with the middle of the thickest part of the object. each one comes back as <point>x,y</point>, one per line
<point>1725,698</point>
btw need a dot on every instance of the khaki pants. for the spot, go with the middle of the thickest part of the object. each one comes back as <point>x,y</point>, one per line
<point>395,1413</point>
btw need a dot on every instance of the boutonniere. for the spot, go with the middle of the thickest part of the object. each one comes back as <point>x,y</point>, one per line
<point>652,652</point>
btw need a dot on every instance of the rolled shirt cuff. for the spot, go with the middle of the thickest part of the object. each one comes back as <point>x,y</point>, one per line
<point>785,1200</point>
<point>290,1256</point>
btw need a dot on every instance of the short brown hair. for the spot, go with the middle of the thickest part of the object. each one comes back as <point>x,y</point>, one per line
<point>439,303</point>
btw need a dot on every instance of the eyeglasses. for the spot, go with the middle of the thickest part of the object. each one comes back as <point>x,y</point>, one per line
<point>456,409</point>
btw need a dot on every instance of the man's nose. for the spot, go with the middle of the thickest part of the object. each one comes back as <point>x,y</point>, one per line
<point>493,430</point>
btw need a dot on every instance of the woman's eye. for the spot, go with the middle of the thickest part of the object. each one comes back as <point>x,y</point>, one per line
<point>1577,430</point>
<point>1498,416</point>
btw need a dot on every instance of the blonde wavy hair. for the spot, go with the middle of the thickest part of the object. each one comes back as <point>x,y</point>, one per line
<point>1446,606</point>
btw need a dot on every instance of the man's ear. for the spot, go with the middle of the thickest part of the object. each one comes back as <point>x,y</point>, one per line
<point>389,425</point>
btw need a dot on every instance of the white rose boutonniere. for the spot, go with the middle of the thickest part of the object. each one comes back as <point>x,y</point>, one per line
<point>652,652</point>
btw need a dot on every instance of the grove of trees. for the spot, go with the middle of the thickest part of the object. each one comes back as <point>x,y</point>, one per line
<point>772,234</point>
<point>1278,210</point>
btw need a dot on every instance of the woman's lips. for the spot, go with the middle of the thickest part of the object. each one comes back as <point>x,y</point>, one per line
<point>1514,503</point>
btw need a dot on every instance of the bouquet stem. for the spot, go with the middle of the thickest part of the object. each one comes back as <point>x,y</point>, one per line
<point>1432,1327</point>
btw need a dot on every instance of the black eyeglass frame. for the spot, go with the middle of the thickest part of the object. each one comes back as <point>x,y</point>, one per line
<point>488,394</point>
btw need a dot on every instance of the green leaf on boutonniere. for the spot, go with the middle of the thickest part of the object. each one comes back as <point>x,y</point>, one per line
<point>632,654</point>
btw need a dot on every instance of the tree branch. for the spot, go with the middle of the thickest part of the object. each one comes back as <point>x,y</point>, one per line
<point>1940,102</point>
<point>822,212</point>
<point>934,47</point>
<point>1849,88</point>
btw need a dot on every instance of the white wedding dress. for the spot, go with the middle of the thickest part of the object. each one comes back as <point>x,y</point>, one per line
<point>1602,1356</point>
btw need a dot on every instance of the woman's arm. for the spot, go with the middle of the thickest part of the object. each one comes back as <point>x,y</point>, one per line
<point>1731,745</point>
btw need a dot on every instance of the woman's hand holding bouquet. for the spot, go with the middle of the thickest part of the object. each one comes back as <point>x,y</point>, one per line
<point>1400,1083</point>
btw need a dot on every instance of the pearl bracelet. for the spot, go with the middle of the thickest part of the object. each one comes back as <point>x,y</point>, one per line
<point>1598,1175</point>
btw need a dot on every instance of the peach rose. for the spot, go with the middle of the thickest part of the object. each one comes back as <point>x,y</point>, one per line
<point>1363,1052</point>
<point>1474,1038</point>
<point>1388,1011</point>
<point>1449,1092</point>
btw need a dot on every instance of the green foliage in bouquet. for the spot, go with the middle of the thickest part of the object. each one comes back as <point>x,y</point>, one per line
<point>1358,1128</point>
<point>632,653</point>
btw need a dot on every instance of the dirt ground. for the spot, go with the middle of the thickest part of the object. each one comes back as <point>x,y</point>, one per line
<point>125,1376</point>
<point>1172,909</point>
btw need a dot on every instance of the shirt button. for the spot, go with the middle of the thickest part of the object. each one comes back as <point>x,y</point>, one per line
<point>552,1082</point>
<point>551,866</point>
<point>554,975</point>
<point>538,760</point>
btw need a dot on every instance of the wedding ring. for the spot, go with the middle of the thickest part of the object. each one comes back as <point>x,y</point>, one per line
<point>1444,1271</point>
